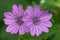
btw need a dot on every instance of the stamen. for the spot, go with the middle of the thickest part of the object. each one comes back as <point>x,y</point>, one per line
<point>36,21</point>
<point>20,21</point>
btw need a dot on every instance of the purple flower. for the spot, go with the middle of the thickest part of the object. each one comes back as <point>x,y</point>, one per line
<point>38,20</point>
<point>15,21</point>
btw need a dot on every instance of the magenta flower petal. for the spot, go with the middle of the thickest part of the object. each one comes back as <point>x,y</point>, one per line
<point>15,10</point>
<point>25,18</point>
<point>45,15</point>
<point>20,10</point>
<point>30,11</point>
<point>8,21</point>
<point>15,30</point>
<point>21,30</point>
<point>37,10</point>
<point>10,28</point>
<point>45,29</point>
<point>32,30</point>
<point>26,28</point>
<point>38,30</point>
<point>47,23</point>
<point>9,15</point>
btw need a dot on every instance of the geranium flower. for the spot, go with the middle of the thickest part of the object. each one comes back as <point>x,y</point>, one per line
<point>15,21</point>
<point>38,20</point>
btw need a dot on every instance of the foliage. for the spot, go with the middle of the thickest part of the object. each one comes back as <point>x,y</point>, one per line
<point>52,5</point>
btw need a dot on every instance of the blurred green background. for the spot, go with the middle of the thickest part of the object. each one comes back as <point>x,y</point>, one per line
<point>52,5</point>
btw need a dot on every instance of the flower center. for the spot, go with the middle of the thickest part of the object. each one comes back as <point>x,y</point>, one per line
<point>20,21</point>
<point>36,20</point>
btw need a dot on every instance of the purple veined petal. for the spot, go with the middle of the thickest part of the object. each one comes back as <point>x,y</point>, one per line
<point>20,10</point>
<point>26,29</point>
<point>48,24</point>
<point>26,18</point>
<point>9,15</point>
<point>30,11</point>
<point>32,30</point>
<point>15,10</point>
<point>27,23</point>
<point>48,17</point>
<point>44,29</point>
<point>45,15</point>
<point>37,10</point>
<point>9,21</point>
<point>21,30</point>
<point>10,28</point>
<point>15,30</point>
<point>38,30</point>
<point>39,27</point>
